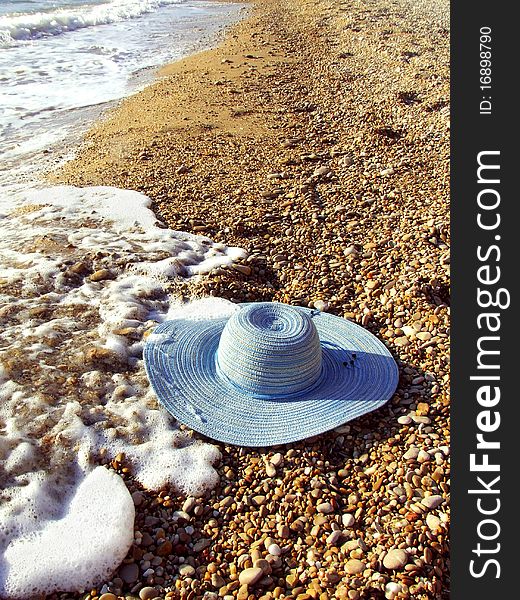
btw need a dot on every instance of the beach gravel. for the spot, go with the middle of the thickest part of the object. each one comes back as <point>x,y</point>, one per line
<point>316,137</point>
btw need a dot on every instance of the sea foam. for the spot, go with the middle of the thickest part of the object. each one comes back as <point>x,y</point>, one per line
<point>83,281</point>
<point>22,27</point>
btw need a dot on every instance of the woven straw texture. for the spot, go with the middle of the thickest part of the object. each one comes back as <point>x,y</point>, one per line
<point>270,374</point>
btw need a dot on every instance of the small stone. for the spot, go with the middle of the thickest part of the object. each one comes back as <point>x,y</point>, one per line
<point>276,459</point>
<point>423,456</point>
<point>138,498</point>
<point>422,409</point>
<point>263,564</point>
<point>148,593</point>
<point>432,502</point>
<point>332,577</point>
<point>334,537</point>
<point>201,545</point>
<point>182,169</point>
<point>283,531</point>
<point>165,549</point>
<point>108,596</point>
<point>386,172</point>
<point>321,305</point>
<point>270,470</point>
<point>129,573</point>
<point>186,570</point>
<point>250,576</point>
<point>325,508</point>
<point>402,341</point>
<point>404,420</point>
<point>392,589</point>
<point>348,520</point>
<point>433,522</point>
<point>411,453</point>
<point>244,269</point>
<point>259,500</point>
<point>395,559</point>
<point>243,593</point>
<point>355,566</point>
<point>217,581</point>
<point>274,550</point>
<point>424,336</point>
<point>321,171</point>
<point>189,504</point>
<point>350,250</point>
<point>101,275</point>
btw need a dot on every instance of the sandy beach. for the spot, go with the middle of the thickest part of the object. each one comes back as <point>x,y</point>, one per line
<point>315,137</point>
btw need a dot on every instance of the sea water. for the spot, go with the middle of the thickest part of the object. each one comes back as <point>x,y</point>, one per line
<point>59,59</point>
<point>84,277</point>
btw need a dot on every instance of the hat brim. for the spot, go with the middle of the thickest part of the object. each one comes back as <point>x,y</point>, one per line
<point>358,376</point>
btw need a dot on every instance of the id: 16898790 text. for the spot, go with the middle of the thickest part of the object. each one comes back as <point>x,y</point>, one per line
<point>485,70</point>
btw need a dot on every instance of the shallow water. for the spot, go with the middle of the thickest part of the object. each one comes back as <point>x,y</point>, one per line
<point>62,61</point>
<point>83,281</point>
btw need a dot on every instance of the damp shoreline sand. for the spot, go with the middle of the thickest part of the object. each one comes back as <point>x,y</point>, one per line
<point>316,137</point>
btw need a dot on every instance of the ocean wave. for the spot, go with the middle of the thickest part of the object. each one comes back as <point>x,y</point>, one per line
<point>19,28</point>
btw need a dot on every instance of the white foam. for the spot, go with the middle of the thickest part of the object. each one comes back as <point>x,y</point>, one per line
<point>72,381</point>
<point>80,549</point>
<point>30,26</point>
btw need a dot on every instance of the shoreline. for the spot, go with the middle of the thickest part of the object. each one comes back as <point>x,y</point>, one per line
<point>315,136</point>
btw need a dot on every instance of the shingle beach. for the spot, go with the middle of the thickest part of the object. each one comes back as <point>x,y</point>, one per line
<point>316,138</point>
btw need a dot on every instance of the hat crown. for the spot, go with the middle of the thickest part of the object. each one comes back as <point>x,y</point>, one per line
<point>270,349</point>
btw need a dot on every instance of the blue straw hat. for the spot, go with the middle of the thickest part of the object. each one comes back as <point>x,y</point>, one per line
<point>269,374</point>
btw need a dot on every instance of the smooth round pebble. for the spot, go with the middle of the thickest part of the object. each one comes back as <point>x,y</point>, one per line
<point>355,566</point>
<point>148,593</point>
<point>129,573</point>
<point>395,559</point>
<point>348,520</point>
<point>432,502</point>
<point>274,550</point>
<point>250,576</point>
<point>325,508</point>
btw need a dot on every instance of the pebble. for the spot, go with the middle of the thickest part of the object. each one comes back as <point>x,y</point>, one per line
<point>250,576</point>
<point>412,453</point>
<point>129,572</point>
<point>432,502</point>
<point>148,593</point>
<point>348,520</point>
<point>321,171</point>
<point>355,566</point>
<point>276,459</point>
<point>433,522</point>
<point>395,559</point>
<point>325,508</point>
<point>274,550</point>
<point>404,420</point>
<point>217,581</point>
<point>321,305</point>
<point>138,498</point>
<point>108,596</point>
<point>334,537</point>
<point>244,269</point>
<point>270,470</point>
<point>423,456</point>
<point>392,589</point>
<point>186,570</point>
<point>102,275</point>
<point>189,504</point>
